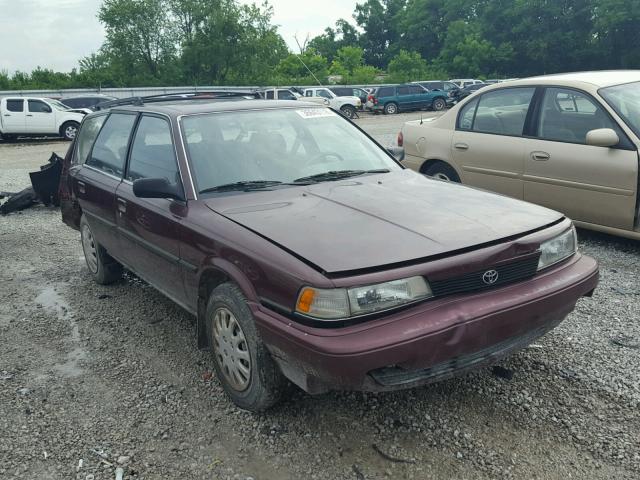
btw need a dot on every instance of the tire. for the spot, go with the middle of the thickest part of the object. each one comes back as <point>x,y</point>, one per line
<point>442,171</point>
<point>439,104</point>
<point>348,111</point>
<point>257,383</point>
<point>391,108</point>
<point>104,269</point>
<point>69,130</point>
<point>9,138</point>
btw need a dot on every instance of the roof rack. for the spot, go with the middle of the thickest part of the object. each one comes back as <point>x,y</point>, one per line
<point>180,96</point>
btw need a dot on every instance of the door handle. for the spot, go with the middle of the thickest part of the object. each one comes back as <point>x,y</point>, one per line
<point>461,146</point>
<point>81,186</point>
<point>7,114</point>
<point>28,115</point>
<point>122,206</point>
<point>540,156</point>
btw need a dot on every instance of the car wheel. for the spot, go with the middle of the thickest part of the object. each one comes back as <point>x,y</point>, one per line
<point>243,365</point>
<point>439,104</point>
<point>69,130</point>
<point>442,171</point>
<point>102,266</point>
<point>348,111</point>
<point>8,138</point>
<point>391,108</point>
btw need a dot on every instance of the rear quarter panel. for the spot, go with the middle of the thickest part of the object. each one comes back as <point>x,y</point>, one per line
<point>429,141</point>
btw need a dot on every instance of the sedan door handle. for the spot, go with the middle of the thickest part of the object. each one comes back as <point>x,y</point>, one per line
<point>28,115</point>
<point>461,146</point>
<point>81,186</point>
<point>122,206</point>
<point>7,114</point>
<point>540,156</point>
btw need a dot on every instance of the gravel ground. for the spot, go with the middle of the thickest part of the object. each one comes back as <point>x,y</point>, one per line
<point>94,378</point>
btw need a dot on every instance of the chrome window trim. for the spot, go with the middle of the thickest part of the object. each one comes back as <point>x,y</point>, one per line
<point>91,167</point>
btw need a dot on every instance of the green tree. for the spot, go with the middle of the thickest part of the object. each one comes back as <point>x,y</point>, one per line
<point>378,20</point>
<point>407,66</point>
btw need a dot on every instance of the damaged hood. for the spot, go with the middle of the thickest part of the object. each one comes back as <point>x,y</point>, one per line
<point>378,220</point>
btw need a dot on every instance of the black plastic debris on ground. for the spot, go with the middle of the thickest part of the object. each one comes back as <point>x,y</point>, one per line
<point>44,188</point>
<point>502,372</point>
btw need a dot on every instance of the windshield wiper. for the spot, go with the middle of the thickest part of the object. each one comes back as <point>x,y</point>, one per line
<point>338,175</point>
<point>247,185</point>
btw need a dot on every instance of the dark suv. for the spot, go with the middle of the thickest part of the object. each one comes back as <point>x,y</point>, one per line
<point>397,98</point>
<point>306,252</point>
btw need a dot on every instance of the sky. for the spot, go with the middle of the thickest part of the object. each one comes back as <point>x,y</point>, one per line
<point>56,34</point>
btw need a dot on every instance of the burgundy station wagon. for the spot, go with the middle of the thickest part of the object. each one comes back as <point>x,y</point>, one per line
<point>307,252</point>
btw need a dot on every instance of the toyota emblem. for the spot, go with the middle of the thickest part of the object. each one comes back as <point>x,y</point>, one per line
<point>490,277</point>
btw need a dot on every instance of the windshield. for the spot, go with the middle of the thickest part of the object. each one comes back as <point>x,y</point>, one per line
<point>58,105</point>
<point>281,145</point>
<point>625,100</point>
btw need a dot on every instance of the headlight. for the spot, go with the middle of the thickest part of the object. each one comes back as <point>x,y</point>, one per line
<point>558,248</point>
<point>339,303</point>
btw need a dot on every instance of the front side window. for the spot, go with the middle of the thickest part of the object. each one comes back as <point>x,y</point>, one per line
<point>73,102</point>
<point>567,115</point>
<point>38,106</point>
<point>286,95</point>
<point>625,100</point>
<point>152,153</point>
<point>110,149</point>
<point>88,133</point>
<point>15,105</point>
<point>324,93</point>
<point>270,95</point>
<point>308,93</point>
<point>385,92</point>
<point>503,112</point>
<point>285,145</point>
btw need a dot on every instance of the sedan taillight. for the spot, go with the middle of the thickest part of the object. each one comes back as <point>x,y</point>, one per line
<point>400,139</point>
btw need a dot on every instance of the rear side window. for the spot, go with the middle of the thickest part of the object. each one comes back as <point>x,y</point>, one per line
<point>15,105</point>
<point>86,137</point>
<point>503,112</point>
<point>416,90</point>
<point>465,120</point>
<point>38,106</point>
<point>270,95</point>
<point>72,102</point>
<point>110,149</point>
<point>152,153</point>
<point>285,95</point>
<point>403,90</point>
<point>385,92</point>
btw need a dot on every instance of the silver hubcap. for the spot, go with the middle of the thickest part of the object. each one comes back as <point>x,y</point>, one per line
<point>89,247</point>
<point>231,349</point>
<point>442,176</point>
<point>70,132</point>
<point>439,105</point>
<point>391,109</point>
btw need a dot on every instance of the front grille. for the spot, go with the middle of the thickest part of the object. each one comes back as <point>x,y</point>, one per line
<point>507,273</point>
<point>397,376</point>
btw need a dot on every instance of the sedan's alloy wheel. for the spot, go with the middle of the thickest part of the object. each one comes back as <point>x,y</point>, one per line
<point>70,132</point>
<point>441,176</point>
<point>231,349</point>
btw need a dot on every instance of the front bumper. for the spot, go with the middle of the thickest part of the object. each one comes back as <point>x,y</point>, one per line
<point>431,341</point>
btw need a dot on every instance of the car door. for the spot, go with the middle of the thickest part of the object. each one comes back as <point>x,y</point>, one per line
<point>13,116</point>
<point>588,183</point>
<point>488,145</point>
<point>406,99</point>
<point>40,117</point>
<point>149,227</point>
<point>421,97</point>
<point>95,183</point>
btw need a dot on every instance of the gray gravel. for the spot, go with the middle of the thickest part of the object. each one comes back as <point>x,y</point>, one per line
<point>98,378</point>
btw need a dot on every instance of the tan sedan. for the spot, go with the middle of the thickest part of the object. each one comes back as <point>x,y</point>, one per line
<point>568,142</point>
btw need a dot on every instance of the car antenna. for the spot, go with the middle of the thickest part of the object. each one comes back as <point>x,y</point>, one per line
<point>421,122</point>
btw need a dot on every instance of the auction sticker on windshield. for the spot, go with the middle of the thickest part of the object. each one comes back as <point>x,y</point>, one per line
<point>315,113</point>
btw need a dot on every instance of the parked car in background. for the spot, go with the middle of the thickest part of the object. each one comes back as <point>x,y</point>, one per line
<point>351,92</point>
<point>465,82</point>
<point>307,253</point>
<point>86,101</point>
<point>397,98</point>
<point>347,105</point>
<point>466,91</point>
<point>450,88</point>
<point>569,142</point>
<point>279,94</point>
<point>37,117</point>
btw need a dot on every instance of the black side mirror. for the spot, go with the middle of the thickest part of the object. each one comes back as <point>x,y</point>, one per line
<point>157,188</point>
